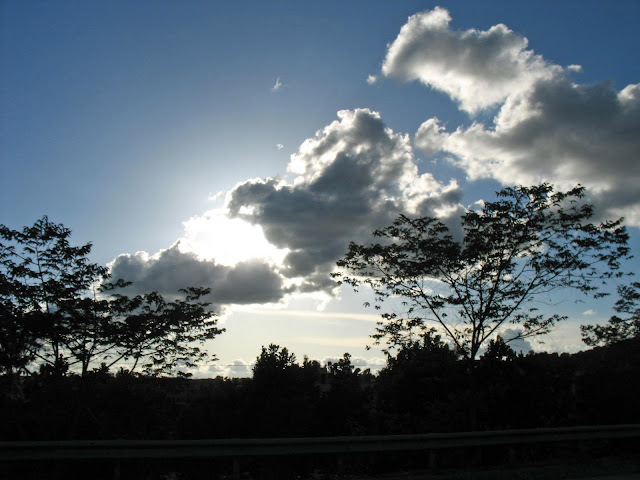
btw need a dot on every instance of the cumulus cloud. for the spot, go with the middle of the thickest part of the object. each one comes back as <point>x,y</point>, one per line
<point>560,132</point>
<point>251,281</point>
<point>476,68</point>
<point>353,176</point>
<point>235,369</point>
<point>547,127</point>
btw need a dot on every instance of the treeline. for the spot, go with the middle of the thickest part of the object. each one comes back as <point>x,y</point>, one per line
<point>66,327</point>
<point>424,388</point>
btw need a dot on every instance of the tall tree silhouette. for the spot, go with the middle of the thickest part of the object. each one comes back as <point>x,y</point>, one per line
<point>528,243</point>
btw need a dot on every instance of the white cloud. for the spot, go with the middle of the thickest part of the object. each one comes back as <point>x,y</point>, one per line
<point>589,313</point>
<point>279,146</point>
<point>277,86</point>
<point>430,137</point>
<point>478,69</point>
<point>547,128</point>
<point>235,369</point>
<point>371,79</point>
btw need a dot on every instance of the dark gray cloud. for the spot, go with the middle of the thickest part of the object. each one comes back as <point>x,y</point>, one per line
<point>354,176</point>
<point>252,281</point>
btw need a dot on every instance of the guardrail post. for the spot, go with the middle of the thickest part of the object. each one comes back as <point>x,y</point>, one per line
<point>513,455</point>
<point>340,463</point>
<point>236,468</point>
<point>433,459</point>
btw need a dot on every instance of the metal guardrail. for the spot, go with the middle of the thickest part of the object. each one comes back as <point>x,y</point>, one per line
<point>190,449</point>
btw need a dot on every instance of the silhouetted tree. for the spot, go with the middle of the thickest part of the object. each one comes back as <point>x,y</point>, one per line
<point>528,243</point>
<point>17,339</point>
<point>161,336</point>
<point>275,373</point>
<point>59,310</point>
<point>346,404</point>
<point>498,351</point>
<point>343,367</point>
<point>418,383</point>
<point>284,397</point>
<point>274,365</point>
<point>617,328</point>
<point>44,279</point>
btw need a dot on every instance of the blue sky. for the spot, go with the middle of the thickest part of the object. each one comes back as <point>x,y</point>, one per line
<point>142,124</point>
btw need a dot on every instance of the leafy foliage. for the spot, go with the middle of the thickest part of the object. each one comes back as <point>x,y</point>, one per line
<point>527,244</point>
<point>59,310</point>
<point>617,329</point>
<point>44,281</point>
<point>161,336</point>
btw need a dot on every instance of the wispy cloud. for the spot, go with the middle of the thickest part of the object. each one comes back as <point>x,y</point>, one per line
<point>371,79</point>
<point>310,314</point>
<point>279,146</point>
<point>353,342</point>
<point>277,86</point>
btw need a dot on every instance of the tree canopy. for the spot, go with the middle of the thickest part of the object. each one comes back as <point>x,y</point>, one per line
<point>58,310</point>
<point>617,328</point>
<point>525,245</point>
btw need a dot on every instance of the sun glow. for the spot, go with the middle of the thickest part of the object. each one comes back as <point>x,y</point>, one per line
<point>214,236</point>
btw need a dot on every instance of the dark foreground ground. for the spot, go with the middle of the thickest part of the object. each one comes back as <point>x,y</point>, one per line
<point>614,467</point>
<point>603,459</point>
<point>625,467</point>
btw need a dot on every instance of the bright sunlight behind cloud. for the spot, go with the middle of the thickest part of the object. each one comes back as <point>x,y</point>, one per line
<point>228,241</point>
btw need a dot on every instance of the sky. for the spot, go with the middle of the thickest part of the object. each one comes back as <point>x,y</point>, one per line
<point>242,145</point>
